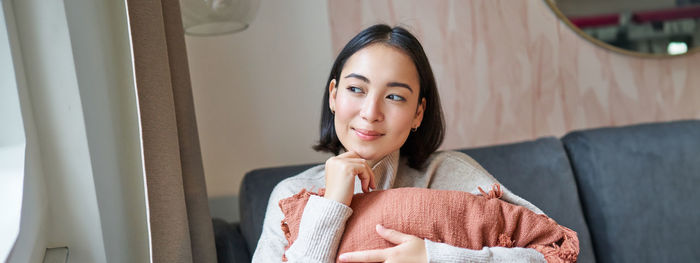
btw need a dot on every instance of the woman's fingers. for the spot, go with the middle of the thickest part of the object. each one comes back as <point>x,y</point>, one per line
<point>391,235</point>
<point>367,178</point>
<point>362,171</point>
<point>340,176</point>
<point>365,174</point>
<point>365,184</point>
<point>372,179</point>
<point>408,249</point>
<point>377,255</point>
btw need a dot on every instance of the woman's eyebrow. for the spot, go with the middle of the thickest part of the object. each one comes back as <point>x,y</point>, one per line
<point>390,84</point>
<point>399,84</point>
<point>358,76</point>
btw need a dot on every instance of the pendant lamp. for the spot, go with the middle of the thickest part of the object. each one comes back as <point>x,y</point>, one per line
<point>217,17</point>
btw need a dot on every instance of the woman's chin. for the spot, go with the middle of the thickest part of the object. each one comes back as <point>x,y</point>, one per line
<point>367,157</point>
<point>369,154</point>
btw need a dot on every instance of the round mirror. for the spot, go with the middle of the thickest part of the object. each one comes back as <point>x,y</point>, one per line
<point>635,27</point>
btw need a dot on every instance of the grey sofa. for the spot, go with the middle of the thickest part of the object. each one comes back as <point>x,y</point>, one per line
<point>630,192</point>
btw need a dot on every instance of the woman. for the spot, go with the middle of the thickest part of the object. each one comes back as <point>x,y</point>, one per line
<point>381,109</point>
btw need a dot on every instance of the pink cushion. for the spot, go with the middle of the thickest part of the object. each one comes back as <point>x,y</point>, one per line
<point>453,217</point>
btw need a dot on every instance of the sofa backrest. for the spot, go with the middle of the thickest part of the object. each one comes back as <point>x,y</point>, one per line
<point>539,171</point>
<point>639,188</point>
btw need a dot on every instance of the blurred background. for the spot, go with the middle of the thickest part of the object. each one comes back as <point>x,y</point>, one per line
<point>507,71</point>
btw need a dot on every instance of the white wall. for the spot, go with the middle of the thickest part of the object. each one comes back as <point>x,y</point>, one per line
<point>258,94</point>
<point>83,184</point>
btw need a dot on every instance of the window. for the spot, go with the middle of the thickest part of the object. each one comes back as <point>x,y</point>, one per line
<point>12,143</point>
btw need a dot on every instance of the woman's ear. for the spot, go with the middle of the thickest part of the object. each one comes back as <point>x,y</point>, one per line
<point>419,114</point>
<point>332,90</point>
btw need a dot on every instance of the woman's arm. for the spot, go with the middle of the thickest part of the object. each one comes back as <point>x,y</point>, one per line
<point>323,220</point>
<point>413,249</point>
<point>440,252</point>
<point>322,225</point>
<point>271,244</point>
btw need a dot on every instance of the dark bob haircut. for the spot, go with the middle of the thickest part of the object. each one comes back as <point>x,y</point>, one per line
<point>423,142</point>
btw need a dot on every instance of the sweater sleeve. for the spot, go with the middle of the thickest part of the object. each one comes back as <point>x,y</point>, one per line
<point>440,252</point>
<point>322,225</point>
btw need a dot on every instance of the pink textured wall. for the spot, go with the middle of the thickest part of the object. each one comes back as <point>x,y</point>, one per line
<point>509,70</point>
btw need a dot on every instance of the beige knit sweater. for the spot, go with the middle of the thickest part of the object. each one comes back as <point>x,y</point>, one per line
<point>323,221</point>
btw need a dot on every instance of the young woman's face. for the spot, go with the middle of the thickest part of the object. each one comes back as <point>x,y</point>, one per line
<point>375,99</point>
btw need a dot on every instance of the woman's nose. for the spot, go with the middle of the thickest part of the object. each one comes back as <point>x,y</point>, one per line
<point>371,110</point>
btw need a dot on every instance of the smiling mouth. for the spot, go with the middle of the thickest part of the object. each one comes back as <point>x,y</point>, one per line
<point>367,135</point>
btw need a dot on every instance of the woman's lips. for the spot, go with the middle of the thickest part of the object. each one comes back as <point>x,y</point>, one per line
<point>367,135</point>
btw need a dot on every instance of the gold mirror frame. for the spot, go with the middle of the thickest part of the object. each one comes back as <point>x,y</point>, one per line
<point>602,44</point>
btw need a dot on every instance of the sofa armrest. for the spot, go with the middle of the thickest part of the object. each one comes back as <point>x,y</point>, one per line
<point>230,244</point>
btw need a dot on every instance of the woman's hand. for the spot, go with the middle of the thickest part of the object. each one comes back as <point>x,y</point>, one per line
<point>408,249</point>
<point>340,176</point>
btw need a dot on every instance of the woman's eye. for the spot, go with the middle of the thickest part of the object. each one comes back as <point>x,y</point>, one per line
<point>355,89</point>
<point>395,97</point>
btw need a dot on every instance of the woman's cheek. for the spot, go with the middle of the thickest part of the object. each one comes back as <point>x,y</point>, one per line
<point>402,120</point>
<point>343,114</point>
<point>345,107</point>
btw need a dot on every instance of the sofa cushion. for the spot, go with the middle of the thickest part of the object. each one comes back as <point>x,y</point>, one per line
<point>255,192</point>
<point>539,171</point>
<point>639,188</point>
